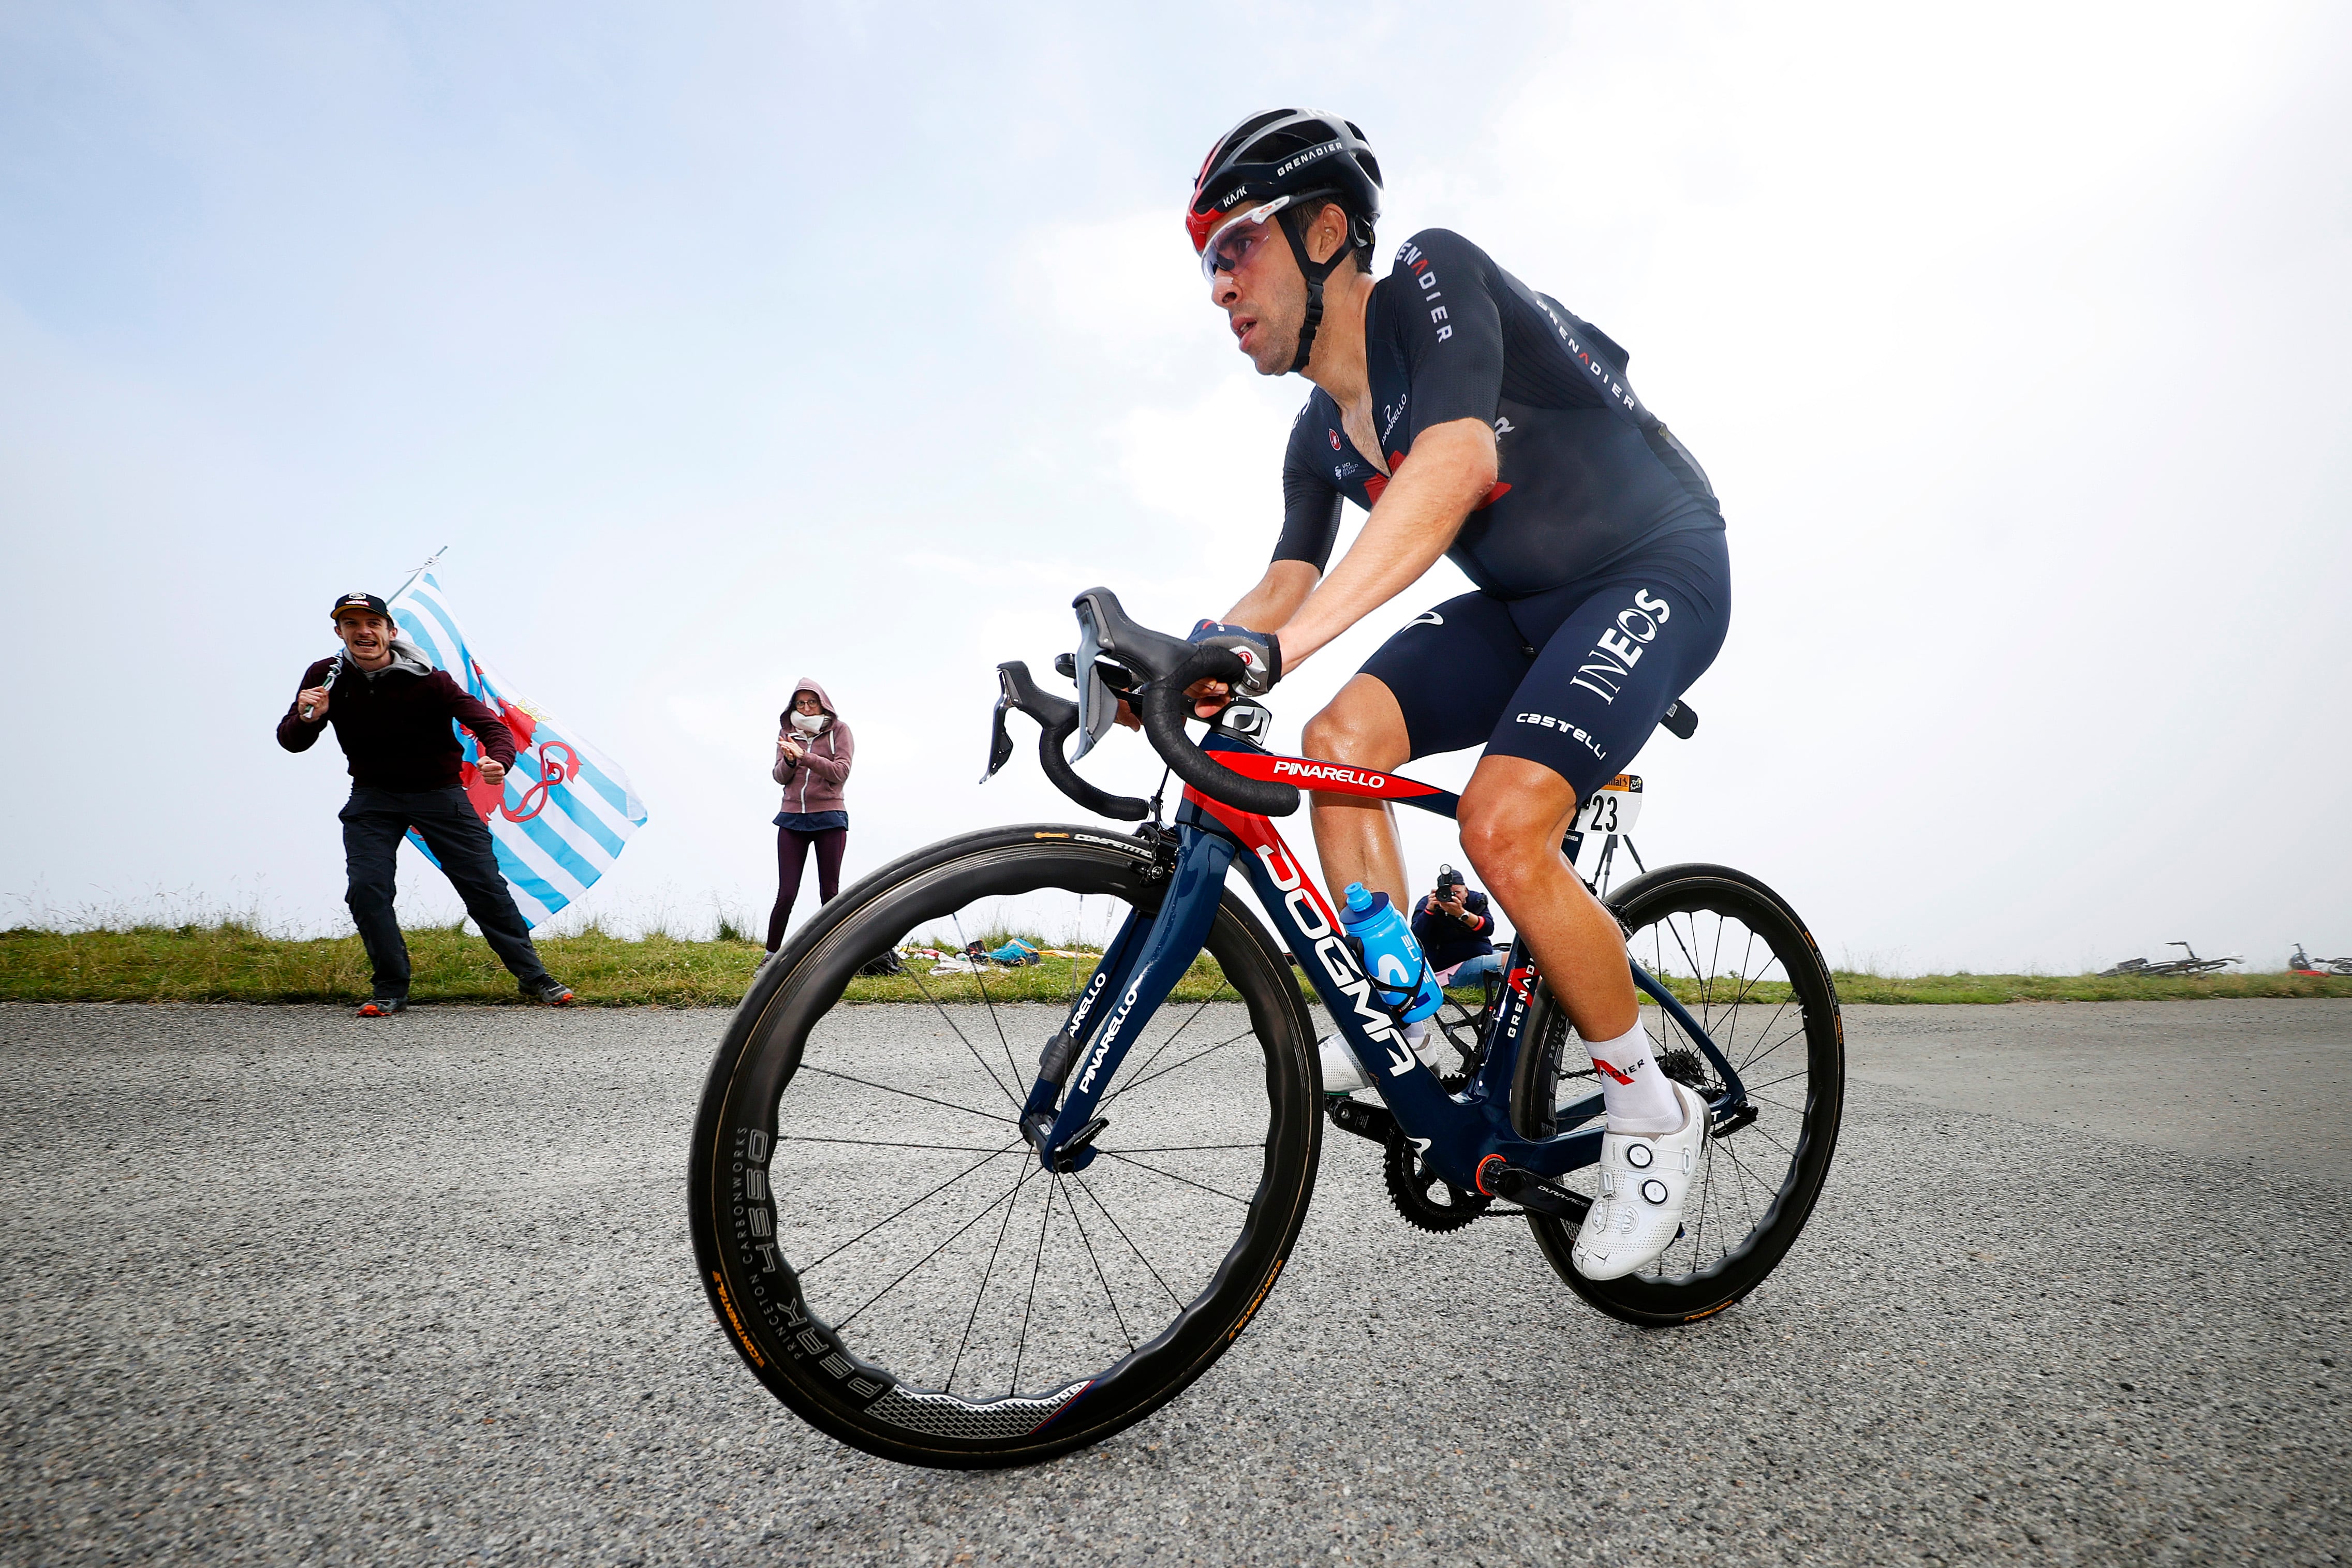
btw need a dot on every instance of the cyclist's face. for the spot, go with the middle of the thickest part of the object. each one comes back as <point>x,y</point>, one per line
<point>1258,286</point>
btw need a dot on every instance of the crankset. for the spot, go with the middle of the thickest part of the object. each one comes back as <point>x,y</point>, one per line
<point>1427,1200</point>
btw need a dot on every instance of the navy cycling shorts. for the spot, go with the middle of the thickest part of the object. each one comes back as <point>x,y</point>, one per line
<point>1575,679</point>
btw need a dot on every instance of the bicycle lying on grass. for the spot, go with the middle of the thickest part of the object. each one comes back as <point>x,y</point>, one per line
<point>2141,968</point>
<point>2304,963</point>
<point>940,1258</point>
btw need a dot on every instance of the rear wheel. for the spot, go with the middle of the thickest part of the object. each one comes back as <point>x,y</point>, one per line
<point>879,1239</point>
<point>1746,969</point>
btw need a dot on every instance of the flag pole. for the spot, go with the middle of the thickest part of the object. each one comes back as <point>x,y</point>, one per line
<point>420,571</point>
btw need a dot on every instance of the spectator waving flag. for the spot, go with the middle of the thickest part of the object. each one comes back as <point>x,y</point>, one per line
<point>565,810</point>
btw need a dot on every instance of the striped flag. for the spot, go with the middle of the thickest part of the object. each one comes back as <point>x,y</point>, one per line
<point>565,810</point>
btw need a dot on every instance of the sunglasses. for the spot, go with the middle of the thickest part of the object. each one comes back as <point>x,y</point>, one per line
<point>1236,240</point>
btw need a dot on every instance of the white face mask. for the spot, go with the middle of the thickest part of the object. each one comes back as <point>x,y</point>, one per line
<point>808,723</point>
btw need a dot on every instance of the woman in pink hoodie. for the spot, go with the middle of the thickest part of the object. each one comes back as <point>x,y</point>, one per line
<point>812,756</point>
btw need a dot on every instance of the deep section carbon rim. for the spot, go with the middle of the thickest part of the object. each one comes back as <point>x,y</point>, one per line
<point>1744,968</point>
<point>929,1291</point>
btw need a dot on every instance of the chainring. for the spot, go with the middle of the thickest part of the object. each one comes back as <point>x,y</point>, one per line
<point>1427,1200</point>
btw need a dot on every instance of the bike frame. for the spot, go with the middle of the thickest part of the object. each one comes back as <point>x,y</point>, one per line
<point>1142,964</point>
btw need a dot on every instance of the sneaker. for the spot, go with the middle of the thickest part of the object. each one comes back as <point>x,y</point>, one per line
<point>383,1006</point>
<point>1643,1181</point>
<point>1341,1073</point>
<point>554,993</point>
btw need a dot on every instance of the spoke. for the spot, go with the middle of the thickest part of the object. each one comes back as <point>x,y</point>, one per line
<point>1182,1148</point>
<point>1747,1176</point>
<point>1163,1051</point>
<point>1133,1084</point>
<point>1113,1219</point>
<point>1019,1181</point>
<point>1758,1128</point>
<point>1036,1267</point>
<point>1769,1024</point>
<point>1171,1175</point>
<point>977,1216</point>
<point>894,1213</point>
<point>1795,1033</point>
<point>1714,963</point>
<point>1755,1088</point>
<point>1100,1277</point>
<point>1689,957</point>
<point>910,1094</point>
<point>958,1033</point>
<point>1706,1194</point>
<point>881,1143</point>
<point>980,978</point>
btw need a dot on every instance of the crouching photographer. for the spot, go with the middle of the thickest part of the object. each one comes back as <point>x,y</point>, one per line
<point>1455,931</point>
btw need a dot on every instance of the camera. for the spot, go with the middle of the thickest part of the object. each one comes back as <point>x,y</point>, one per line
<point>1448,879</point>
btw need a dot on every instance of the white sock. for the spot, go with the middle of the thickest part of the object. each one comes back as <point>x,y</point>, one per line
<point>1639,1097</point>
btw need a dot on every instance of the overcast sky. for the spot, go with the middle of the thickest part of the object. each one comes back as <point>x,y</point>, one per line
<point>723,346</point>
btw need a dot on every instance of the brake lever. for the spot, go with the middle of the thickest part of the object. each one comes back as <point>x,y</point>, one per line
<point>1057,720</point>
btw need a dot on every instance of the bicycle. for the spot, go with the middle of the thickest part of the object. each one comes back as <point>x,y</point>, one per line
<point>939,1258</point>
<point>2141,968</point>
<point>2304,963</point>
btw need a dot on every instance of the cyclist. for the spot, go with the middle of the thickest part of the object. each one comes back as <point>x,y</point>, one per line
<point>1476,419</point>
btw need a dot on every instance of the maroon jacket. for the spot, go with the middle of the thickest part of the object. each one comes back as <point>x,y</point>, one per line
<point>814,781</point>
<point>396,727</point>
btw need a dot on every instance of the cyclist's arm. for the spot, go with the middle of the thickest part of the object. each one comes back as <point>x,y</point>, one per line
<point>1276,597</point>
<point>1451,468</point>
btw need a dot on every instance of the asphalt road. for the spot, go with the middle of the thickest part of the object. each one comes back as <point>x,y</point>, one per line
<point>285,1287</point>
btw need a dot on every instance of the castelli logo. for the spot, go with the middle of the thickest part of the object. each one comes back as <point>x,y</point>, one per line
<point>1335,439</point>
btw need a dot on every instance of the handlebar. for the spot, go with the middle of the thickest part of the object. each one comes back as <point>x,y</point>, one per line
<point>1057,720</point>
<point>1170,664</point>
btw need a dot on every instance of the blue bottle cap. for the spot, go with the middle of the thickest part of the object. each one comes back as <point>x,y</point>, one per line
<point>1358,901</point>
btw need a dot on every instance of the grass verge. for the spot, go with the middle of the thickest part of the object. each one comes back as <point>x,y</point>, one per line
<point>231,963</point>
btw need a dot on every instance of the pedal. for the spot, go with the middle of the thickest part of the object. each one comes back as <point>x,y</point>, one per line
<point>1732,1120</point>
<point>1360,1117</point>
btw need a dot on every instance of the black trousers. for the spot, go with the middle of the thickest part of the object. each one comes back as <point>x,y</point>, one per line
<point>373,822</point>
<point>792,853</point>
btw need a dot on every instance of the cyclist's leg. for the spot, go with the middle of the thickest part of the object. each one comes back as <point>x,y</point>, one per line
<point>1624,648</point>
<point>1627,645</point>
<point>1438,685</point>
<point>1356,838</point>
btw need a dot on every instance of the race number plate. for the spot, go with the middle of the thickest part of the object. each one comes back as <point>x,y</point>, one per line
<point>1614,807</point>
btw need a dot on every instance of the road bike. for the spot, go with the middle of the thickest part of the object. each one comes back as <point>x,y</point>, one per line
<point>941,1257</point>
<point>2304,963</point>
<point>2141,968</point>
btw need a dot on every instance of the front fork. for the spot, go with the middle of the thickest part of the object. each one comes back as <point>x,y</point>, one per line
<point>1138,968</point>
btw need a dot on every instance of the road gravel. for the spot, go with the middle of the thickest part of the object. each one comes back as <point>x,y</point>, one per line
<point>283,1287</point>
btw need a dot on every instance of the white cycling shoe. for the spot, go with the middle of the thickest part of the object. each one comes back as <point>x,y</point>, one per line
<point>1342,1074</point>
<point>1643,1181</point>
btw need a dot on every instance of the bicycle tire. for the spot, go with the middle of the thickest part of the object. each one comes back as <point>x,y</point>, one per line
<point>1690,1282</point>
<point>744,1187</point>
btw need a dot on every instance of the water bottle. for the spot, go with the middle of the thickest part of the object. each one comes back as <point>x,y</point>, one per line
<point>1391,956</point>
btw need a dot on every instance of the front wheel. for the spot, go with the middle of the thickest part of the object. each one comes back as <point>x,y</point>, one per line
<point>878,1236</point>
<point>1739,960</point>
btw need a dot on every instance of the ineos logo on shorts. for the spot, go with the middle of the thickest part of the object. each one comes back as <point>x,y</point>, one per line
<point>1619,650</point>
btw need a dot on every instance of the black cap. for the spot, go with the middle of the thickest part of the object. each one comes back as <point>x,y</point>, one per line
<point>1447,877</point>
<point>360,602</point>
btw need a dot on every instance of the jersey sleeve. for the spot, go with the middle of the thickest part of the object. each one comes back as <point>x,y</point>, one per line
<point>1310,502</point>
<point>1449,325</point>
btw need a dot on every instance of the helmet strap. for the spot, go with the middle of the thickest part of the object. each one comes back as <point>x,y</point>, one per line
<point>1314,271</point>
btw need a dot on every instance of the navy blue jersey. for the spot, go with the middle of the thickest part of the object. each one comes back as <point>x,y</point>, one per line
<point>1587,473</point>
